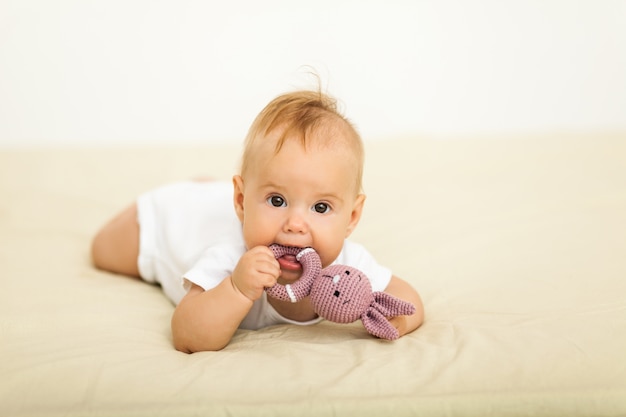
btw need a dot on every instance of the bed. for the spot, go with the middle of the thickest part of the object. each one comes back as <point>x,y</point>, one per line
<point>517,245</point>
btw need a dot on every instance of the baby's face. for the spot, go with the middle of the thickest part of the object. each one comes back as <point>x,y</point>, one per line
<point>299,198</point>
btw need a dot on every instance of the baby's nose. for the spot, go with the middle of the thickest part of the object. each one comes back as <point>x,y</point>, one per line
<point>296,223</point>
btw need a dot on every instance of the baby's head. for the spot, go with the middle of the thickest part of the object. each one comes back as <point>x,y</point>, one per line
<point>310,117</point>
<point>300,181</point>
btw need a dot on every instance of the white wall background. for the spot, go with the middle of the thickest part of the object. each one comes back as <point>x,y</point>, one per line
<point>110,72</point>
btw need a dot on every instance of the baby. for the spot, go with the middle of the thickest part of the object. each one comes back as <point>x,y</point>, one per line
<point>299,185</point>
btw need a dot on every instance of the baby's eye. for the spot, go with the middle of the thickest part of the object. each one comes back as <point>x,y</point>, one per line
<point>321,208</point>
<point>276,201</point>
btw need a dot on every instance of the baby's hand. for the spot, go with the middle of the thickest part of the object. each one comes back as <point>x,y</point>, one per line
<point>256,270</point>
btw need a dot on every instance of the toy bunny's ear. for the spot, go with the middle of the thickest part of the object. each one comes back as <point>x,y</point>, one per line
<point>378,325</point>
<point>391,306</point>
<point>384,305</point>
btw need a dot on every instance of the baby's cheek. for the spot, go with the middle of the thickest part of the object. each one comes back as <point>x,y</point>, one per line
<point>328,259</point>
<point>330,253</point>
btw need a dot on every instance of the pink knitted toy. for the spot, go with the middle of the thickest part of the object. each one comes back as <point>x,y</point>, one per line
<point>340,293</point>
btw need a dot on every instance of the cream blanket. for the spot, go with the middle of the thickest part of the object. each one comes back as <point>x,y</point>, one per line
<point>517,245</point>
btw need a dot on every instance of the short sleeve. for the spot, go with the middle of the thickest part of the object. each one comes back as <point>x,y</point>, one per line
<point>214,265</point>
<point>356,256</point>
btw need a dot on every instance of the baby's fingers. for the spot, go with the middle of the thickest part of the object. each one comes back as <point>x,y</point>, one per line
<point>265,261</point>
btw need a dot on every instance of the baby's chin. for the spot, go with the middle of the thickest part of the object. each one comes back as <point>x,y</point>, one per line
<point>289,277</point>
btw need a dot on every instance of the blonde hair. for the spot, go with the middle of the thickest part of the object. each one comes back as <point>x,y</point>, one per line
<point>308,115</point>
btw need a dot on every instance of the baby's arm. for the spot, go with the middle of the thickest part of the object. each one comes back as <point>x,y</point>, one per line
<point>404,291</point>
<point>207,320</point>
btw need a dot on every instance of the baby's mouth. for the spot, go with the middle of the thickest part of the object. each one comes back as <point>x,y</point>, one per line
<point>289,263</point>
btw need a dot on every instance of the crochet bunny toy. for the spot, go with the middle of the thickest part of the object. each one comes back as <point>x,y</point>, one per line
<point>340,293</point>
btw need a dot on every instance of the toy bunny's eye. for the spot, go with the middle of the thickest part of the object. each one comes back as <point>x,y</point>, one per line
<point>347,272</point>
<point>336,293</point>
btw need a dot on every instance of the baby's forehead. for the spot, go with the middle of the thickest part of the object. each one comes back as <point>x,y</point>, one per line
<point>325,138</point>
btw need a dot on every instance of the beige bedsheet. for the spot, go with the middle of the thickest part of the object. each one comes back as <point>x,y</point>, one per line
<point>517,245</point>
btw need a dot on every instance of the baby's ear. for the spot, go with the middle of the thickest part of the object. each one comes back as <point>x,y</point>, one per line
<point>238,196</point>
<point>355,215</point>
